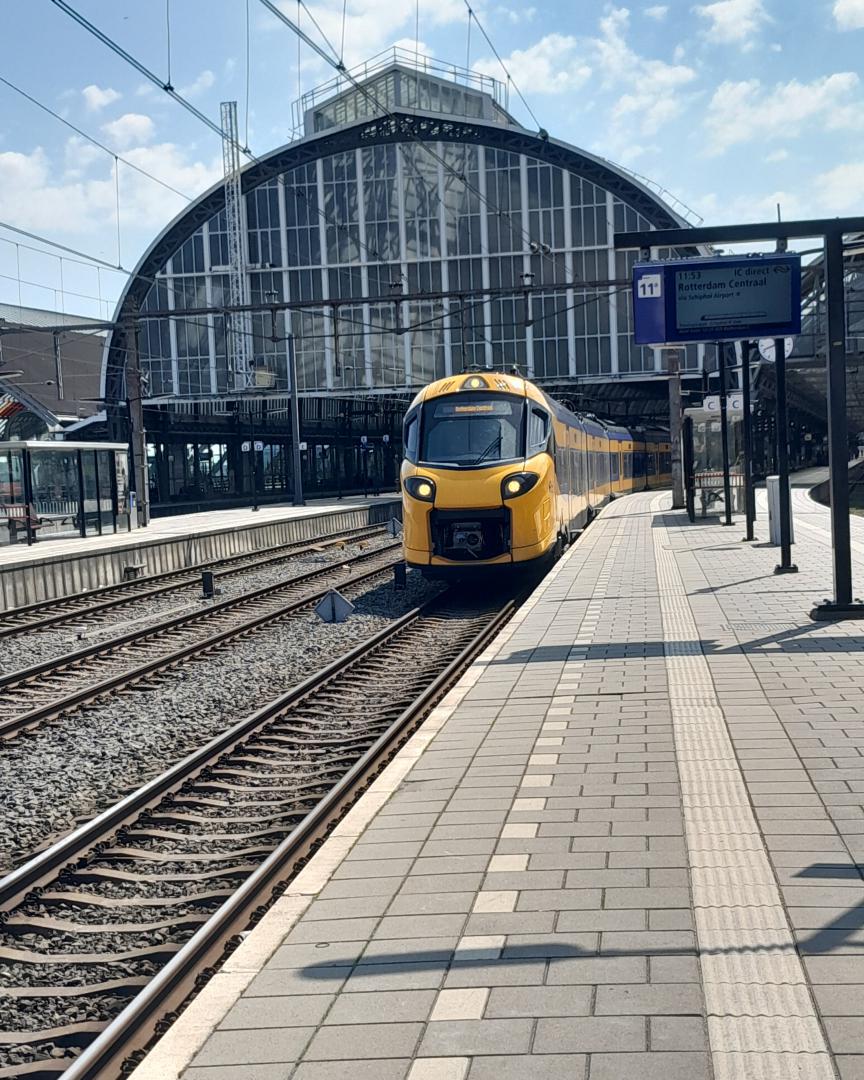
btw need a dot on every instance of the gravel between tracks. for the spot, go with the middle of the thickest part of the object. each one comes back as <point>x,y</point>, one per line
<point>73,768</point>
<point>28,649</point>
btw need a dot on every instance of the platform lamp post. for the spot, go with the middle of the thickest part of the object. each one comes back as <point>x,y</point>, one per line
<point>781,425</point>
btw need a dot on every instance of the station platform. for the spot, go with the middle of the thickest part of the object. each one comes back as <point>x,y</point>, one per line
<point>626,846</point>
<point>55,568</point>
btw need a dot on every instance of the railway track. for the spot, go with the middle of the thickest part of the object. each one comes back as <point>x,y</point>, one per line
<point>31,696</point>
<point>87,607</point>
<point>108,930</point>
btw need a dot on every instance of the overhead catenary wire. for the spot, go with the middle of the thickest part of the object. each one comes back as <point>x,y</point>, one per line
<point>94,141</point>
<point>516,230</point>
<point>336,62</point>
<point>511,81</point>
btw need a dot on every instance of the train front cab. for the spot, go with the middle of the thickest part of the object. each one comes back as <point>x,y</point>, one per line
<point>478,476</point>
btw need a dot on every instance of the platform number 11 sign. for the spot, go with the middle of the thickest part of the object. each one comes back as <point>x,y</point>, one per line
<point>650,286</point>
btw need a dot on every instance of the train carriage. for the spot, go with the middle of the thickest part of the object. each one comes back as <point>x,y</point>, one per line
<point>497,474</point>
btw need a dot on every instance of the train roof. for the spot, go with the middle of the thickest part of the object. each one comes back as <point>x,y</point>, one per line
<point>480,380</point>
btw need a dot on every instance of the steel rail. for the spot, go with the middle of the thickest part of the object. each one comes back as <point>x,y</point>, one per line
<point>130,591</point>
<point>136,1025</point>
<point>33,717</point>
<point>25,675</point>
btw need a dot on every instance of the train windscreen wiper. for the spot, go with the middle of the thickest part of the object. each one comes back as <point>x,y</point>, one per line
<point>496,442</point>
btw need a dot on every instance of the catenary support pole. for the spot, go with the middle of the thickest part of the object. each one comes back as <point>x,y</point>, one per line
<point>785,566</point>
<point>724,433</point>
<point>298,499</point>
<point>675,429</point>
<point>838,436</point>
<point>137,434</point>
<point>749,492</point>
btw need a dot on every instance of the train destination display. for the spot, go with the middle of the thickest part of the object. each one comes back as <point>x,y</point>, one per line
<point>720,299</point>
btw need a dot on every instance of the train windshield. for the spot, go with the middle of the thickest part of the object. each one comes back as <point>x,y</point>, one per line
<point>469,429</point>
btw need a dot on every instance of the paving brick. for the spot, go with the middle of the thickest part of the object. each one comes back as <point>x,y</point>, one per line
<point>651,1066</point>
<point>530,1067</point>
<point>590,1034</point>
<point>254,1046</point>
<point>845,1033</point>
<point>239,1072</point>
<point>379,1069</point>
<point>397,976</point>
<point>678,1033</point>
<point>274,1012</point>
<point>437,903</point>
<point>464,1004</point>
<point>515,1001</point>
<point>347,1042</point>
<point>450,1068</point>
<point>419,926</point>
<point>647,999</point>
<point>275,981</point>
<point>501,972</point>
<point>470,1037</point>
<point>369,1008</point>
<point>574,970</point>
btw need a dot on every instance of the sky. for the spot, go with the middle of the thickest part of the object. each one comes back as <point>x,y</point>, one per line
<point>732,106</point>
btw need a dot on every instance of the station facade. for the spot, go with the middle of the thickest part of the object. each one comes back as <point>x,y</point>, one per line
<point>452,237</point>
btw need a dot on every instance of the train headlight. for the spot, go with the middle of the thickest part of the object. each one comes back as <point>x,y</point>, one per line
<point>419,487</point>
<point>517,484</point>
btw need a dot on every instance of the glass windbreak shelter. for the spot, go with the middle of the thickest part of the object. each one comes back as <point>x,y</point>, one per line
<point>54,490</point>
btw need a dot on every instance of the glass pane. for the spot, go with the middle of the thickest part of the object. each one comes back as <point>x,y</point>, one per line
<point>470,428</point>
<point>91,495</point>
<point>13,529</point>
<point>121,465</point>
<point>55,506</point>
<point>106,490</point>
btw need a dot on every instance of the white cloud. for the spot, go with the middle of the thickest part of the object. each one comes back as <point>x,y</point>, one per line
<point>740,112</point>
<point>651,87</point>
<point>777,155</point>
<point>515,16</point>
<point>658,11</point>
<point>734,22</point>
<point>85,206</point>
<point>549,66</point>
<point>840,188</point>
<point>204,81</point>
<point>79,155</point>
<point>849,14</point>
<point>131,129</point>
<point>96,98</point>
<point>370,25</point>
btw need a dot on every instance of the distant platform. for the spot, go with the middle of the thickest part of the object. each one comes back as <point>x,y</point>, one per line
<point>627,845</point>
<point>55,568</point>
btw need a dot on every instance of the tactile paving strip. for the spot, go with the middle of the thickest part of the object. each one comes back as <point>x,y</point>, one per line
<point>762,1023</point>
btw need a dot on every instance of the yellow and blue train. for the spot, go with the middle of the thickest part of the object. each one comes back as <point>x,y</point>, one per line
<point>498,474</point>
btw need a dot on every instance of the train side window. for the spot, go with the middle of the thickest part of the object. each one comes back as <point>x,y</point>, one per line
<point>412,436</point>
<point>538,430</point>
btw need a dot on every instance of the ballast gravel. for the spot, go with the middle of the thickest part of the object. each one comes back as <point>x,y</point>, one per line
<point>35,647</point>
<point>66,772</point>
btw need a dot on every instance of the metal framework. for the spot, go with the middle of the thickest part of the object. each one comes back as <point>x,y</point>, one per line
<point>238,340</point>
<point>396,128</point>
<point>832,231</point>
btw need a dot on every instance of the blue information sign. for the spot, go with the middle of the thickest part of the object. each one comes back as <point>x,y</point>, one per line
<point>728,298</point>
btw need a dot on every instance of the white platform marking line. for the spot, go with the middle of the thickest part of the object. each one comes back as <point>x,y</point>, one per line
<point>761,1018</point>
